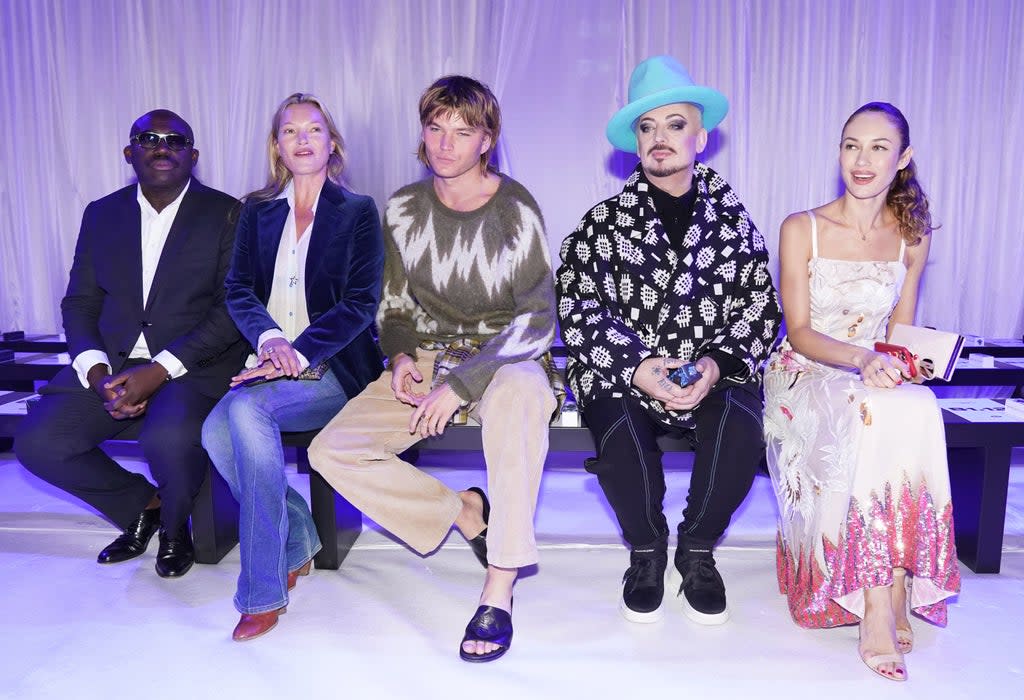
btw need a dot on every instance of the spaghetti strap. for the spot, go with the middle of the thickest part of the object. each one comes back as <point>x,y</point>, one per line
<point>903,249</point>
<point>814,234</point>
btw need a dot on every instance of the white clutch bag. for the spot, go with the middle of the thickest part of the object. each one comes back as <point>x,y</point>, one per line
<point>936,352</point>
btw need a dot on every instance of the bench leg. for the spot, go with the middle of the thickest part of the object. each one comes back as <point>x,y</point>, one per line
<point>214,519</point>
<point>302,461</point>
<point>979,477</point>
<point>338,522</point>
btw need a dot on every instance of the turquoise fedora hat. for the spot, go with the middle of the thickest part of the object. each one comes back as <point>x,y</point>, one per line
<point>658,81</point>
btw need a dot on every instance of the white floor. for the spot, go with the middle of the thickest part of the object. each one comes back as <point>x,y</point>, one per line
<point>388,623</point>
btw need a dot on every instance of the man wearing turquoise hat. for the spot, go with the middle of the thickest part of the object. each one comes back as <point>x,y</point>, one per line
<point>670,271</point>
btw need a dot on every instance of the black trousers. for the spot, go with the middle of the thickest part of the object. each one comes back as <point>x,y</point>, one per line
<point>728,445</point>
<point>59,442</point>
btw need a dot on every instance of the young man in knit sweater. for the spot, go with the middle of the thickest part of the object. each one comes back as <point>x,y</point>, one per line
<point>468,309</point>
<point>668,272</point>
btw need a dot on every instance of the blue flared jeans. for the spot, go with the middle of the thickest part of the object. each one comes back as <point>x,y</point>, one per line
<point>243,437</point>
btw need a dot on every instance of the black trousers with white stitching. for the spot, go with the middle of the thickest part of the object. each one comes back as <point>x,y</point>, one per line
<point>728,445</point>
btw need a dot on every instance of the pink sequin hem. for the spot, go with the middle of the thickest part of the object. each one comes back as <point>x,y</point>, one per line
<point>905,532</point>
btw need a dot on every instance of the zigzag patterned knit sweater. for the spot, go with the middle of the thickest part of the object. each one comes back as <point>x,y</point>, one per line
<point>482,274</point>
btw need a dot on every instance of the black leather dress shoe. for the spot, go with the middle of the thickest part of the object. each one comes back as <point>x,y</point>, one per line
<point>134,540</point>
<point>175,556</point>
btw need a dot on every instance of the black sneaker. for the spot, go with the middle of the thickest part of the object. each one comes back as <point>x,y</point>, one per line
<point>643,585</point>
<point>698,584</point>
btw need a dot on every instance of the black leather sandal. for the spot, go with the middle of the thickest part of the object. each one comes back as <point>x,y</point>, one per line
<point>492,625</point>
<point>479,543</point>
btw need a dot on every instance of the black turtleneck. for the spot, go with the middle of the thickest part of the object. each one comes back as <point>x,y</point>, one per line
<point>675,212</point>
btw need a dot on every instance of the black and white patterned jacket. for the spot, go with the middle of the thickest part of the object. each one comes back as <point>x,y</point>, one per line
<point>624,294</point>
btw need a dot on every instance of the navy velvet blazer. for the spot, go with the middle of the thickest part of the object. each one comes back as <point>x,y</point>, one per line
<point>344,266</point>
<point>185,312</point>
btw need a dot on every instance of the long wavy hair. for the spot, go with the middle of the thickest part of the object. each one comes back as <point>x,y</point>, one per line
<point>471,100</point>
<point>906,198</point>
<point>280,176</point>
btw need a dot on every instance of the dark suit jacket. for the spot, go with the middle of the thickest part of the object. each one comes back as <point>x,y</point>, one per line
<point>344,266</point>
<point>185,313</point>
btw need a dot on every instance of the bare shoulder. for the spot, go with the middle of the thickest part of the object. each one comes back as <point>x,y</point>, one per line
<point>827,216</point>
<point>796,230</point>
<point>917,255</point>
<point>796,222</point>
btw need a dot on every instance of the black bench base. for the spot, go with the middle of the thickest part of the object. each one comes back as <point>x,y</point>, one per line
<point>979,478</point>
<point>979,467</point>
<point>979,457</point>
<point>214,519</point>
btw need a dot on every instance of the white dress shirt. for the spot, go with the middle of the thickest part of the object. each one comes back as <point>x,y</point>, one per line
<point>287,302</point>
<point>155,226</point>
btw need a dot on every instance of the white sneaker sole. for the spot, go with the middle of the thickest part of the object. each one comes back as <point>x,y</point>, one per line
<point>675,580</point>
<point>641,617</point>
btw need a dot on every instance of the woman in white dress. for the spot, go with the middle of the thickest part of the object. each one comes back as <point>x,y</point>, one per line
<point>857,454</point>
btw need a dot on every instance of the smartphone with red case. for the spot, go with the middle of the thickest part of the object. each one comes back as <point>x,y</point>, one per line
<point>900,353</point>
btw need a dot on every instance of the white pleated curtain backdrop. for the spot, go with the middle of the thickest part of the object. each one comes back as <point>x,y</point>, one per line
<point>74,74</point>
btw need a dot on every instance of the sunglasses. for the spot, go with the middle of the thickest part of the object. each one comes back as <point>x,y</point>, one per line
<point>151,139</point>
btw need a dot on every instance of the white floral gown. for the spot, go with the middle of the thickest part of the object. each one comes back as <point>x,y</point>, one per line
<point>860,473</point>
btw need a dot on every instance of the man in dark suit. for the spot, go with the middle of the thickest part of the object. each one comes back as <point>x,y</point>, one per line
<point>152,345</point>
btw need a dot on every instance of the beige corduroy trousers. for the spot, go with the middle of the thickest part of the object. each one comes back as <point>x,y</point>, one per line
<point>357,452</point>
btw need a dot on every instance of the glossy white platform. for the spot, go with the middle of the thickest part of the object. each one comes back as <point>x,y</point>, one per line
<point>388,623</point>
